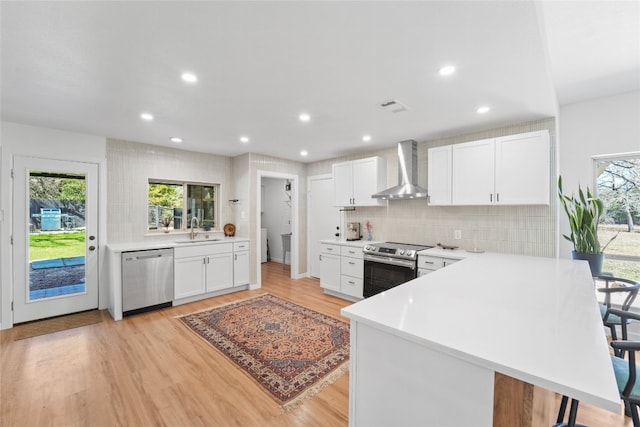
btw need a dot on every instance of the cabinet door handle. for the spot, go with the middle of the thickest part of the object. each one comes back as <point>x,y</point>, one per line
<point>235,257</point>
<point>352,283</point>
<point>320,257</point>
<point>497,197</point>
<point>352,263</point>
<point>491,197</point>
<point>428,262</point>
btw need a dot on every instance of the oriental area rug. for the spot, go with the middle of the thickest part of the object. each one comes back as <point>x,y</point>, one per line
<point>291,351</point>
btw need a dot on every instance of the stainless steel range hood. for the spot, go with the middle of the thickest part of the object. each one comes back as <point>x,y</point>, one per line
<point>407,187</point>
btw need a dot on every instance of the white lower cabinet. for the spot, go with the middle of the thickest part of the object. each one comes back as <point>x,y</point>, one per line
<point>428,264</point>
<point>240,263</point>
<point>330,267</point>
<point>351,271</point>
<point>219,271</point>
<point>201,269</point>
<point>190,275</point>
<point>342,269</point>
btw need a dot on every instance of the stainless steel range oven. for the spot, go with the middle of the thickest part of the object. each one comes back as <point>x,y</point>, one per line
<point>389,264</point>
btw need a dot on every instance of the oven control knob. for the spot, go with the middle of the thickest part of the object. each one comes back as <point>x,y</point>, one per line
<point>367,247</point>
<point>410,253</point>
<point>401,251</point>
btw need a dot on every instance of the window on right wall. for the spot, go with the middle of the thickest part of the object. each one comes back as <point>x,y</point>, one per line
<point>618,186</point>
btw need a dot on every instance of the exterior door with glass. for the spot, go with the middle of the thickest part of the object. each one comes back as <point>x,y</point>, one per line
<point>55,241</point>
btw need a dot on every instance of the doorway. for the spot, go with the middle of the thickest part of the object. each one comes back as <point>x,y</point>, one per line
<point>55,256</point>
<point>280,197</point>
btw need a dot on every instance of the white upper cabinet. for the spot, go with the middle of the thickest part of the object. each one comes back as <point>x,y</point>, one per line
<point>522,169</point>
<point>508,170</point>
<point>354,182</point>
<point>473,173</point>
<point>439,175</point>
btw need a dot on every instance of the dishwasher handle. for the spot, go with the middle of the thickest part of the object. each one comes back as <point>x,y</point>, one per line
<point>149,256</point>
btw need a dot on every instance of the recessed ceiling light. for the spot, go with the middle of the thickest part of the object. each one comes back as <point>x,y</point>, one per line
<point>304,117</point>
<point>304,153</point>
<point>189,77</point>
<point>447,70</point>
<point>175,139</point>
<point>146,116</point>
<point>483,109</point>
<point>244,139</point>
<point>366,138</point>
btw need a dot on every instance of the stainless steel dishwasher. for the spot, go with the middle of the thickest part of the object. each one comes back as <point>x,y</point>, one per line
<point>147,280</point>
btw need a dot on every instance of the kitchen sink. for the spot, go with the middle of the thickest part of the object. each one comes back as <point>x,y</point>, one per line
<point>195,242</point>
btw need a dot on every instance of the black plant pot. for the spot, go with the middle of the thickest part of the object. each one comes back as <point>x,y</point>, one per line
<point>595,261</point>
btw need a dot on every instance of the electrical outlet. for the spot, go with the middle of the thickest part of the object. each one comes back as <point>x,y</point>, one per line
<point>457,234</point>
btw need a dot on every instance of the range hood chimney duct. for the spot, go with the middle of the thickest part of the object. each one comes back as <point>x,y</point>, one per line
<point>407,187</point>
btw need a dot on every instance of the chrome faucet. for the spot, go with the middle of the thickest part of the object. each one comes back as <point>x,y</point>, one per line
<point>193,228</point>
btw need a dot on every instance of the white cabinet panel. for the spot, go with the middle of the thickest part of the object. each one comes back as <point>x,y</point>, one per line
<point>351,286</point>
<point>189,276</point>
<point>355,182</point>
<point>219,272</point>
<point>473,173</point>
<point>439,175</point>
<point>353,267</point>
<point>241,268</point>
<point>343,183</point>
<point>510,170</point>
<point>522,169</point>
<point>330,271</point>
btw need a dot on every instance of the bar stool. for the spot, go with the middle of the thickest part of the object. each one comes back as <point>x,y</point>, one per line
<point>286,247</point>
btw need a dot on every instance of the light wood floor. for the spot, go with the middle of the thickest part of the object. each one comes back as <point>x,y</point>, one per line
<point>148,370</point>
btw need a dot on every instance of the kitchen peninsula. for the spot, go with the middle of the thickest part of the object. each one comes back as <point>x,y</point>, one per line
<point>435,351</point>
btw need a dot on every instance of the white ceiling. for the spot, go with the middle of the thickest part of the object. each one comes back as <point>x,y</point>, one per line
<point>93,67</point>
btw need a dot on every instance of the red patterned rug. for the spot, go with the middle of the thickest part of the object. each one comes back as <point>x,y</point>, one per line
<point>290,350</point>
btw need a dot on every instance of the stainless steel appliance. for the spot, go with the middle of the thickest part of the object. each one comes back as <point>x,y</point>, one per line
<point>407,187</point>
<point>389,264</point>
<point>147,280</point>
<point>353,231</point>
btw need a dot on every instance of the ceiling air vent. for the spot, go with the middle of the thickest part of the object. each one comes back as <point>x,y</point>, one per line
<point>394,106</point>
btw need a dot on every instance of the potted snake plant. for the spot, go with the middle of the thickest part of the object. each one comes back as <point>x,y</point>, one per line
<point>584,213</point>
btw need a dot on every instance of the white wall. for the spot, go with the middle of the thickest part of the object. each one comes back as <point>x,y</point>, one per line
<point>609,125</point>
<point>276,216</point>
<point>22,140</point>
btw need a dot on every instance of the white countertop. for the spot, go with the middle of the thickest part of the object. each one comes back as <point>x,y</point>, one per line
<point>448,253</point>
<point>531,318</point>
<point>140,246</point>
<point>354,243</point>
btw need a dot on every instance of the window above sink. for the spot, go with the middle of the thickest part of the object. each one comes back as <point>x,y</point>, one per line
<point>173,205</point>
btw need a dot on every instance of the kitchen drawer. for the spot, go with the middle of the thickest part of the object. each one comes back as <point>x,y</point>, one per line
<point>353,267</point>
<point>424,271</point>
<point>449,261</point>
<point>350,251</point>
<point>240,246</point>
<point>328,248</point>
<point>351,286</point>
<point>201,250</point>
<point>430,262</point>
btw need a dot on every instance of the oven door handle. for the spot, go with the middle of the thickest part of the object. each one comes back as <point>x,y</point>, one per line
<point>390,261</point>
